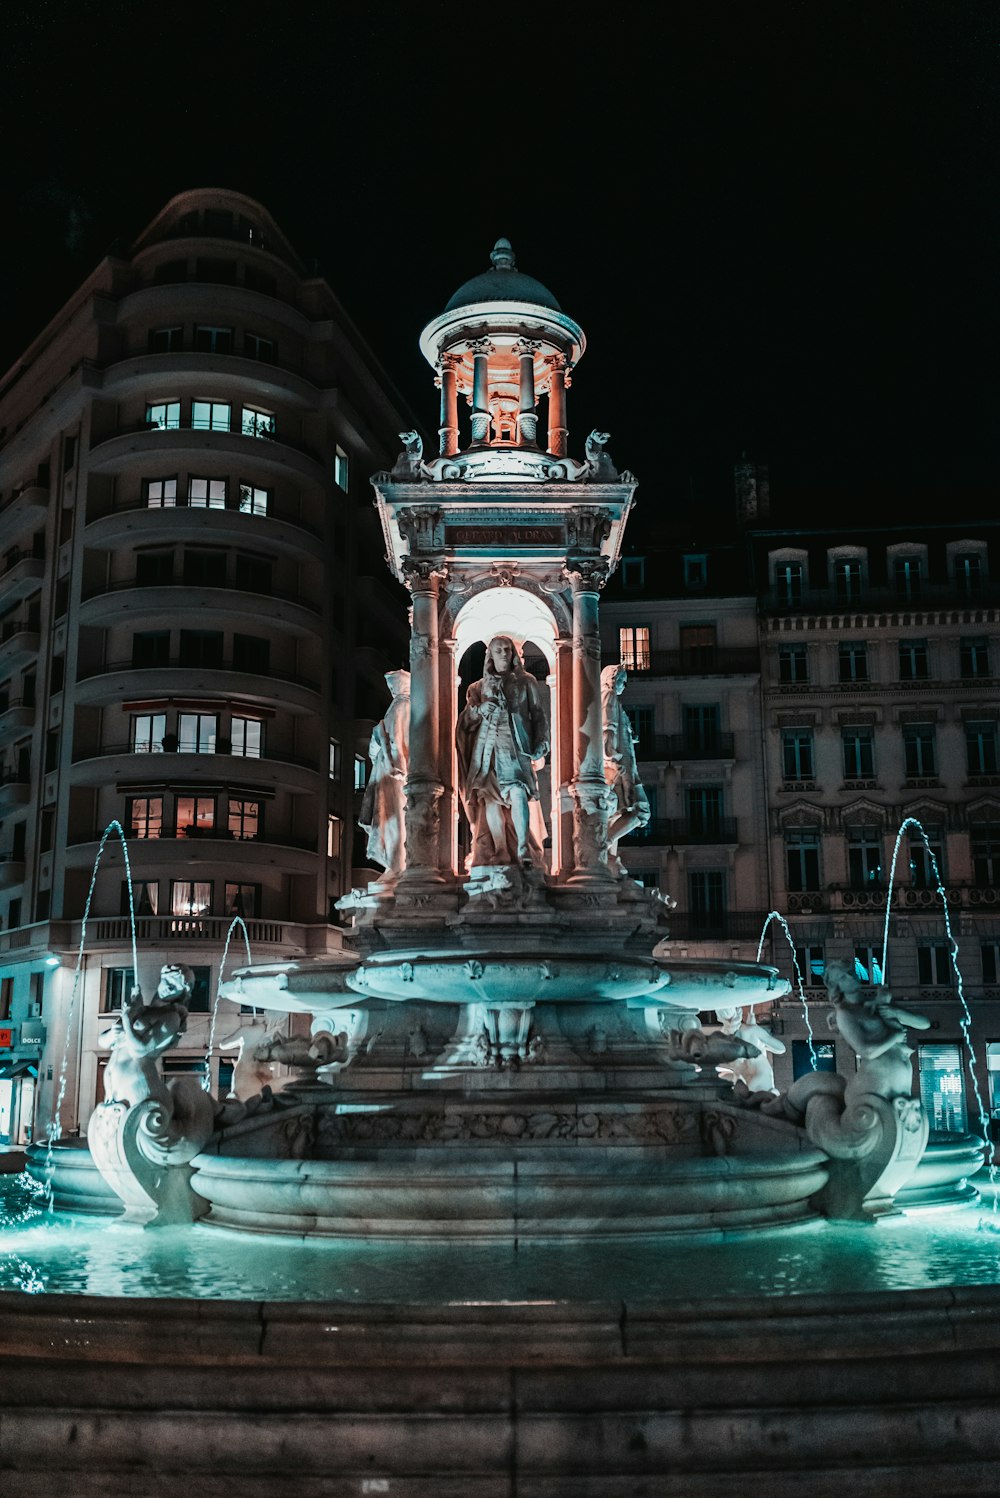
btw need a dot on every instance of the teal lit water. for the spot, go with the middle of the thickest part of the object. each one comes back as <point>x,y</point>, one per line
<point>40,1253</point>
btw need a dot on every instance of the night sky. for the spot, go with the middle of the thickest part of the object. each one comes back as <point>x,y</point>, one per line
<point>777,223</point>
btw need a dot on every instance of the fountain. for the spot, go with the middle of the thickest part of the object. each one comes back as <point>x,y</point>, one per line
<point>509,1087</point>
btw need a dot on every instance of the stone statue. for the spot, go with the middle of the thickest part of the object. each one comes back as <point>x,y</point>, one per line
<point>630,808</point>
<point>383,807</point>
<point>142,1033</point>
<point>409,465</point>
<point>600,468</point>
<point>751,1074</point>
<point>502,734</point>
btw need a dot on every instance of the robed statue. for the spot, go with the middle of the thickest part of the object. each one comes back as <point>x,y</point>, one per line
<point>630,807</point>
<point>384,804</point>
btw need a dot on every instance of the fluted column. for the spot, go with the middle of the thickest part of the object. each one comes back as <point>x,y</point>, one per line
<point>558,380</point>
<point>590,814</point>
<point>527,417</point>
<point>423,782</point>
<point>448,430</point>
<point>481,349</point>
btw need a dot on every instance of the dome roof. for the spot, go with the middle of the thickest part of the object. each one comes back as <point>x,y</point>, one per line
<point>503,283</point>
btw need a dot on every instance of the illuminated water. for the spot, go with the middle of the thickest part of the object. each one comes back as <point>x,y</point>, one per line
<point>94,1256</point>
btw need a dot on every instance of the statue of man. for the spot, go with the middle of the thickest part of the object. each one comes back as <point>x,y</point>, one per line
<point>502,736</point>
<point>383,807</point>
<point>630,804</point>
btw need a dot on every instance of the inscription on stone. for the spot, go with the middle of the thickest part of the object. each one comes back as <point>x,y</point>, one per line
<point>504,535</point>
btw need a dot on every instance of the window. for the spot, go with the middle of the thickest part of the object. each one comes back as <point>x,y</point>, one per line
<point>981,747</point>
<point>190,897</point>
<point>811,960</point>
<point>341,468</point>
<point>253,500</point>
<point>919,750</point>
<point>907,577</point>
<point>247,737</point>
<point>204,568</point>
<point>969,573</point>
<point>360,772</point>
<point>993,1072</point>
<point>868,964</point>
<point>942,1087</point>
<point>151,648</point>
<point>243,899</point>
<point>251,653</point>
<point>145,816</point>
<point>859,753</point>
<point>989,955</point>
<point>257,423</point>
<point>695,570</point>
<point>14,914</point>
<point>207,494</point>
<point>934,964</point>
<point>633,572</point>
<point>847,579</point>
<point>974,657</point>
<point>244,819</point>
<point>334,833</point>
<point>335,763</point>
<point>211,340</point>
<point>797,753</point>
<point>199,1002</point>
<point>148,730</point>
<point>160,494</point>
<point>256,347</point>
<point>201,647</point>
<point>253,574</point>
<point>802,859</point>
<point>210,416</point>
<point>702,721</point>
<point>163,415</point>
<point>985,839</point>
<point>864,857</point>
<point>154,568</point>
<point>802,1057</point>
<point>196,733</point>
<point>922,861</point>
<point>195,815</point>
<point>704,810</point>
<point>633,647</point>
<point>697,647</point>
<point>166,340</point>
<point>852,661</point>
<point>793,664</point>
<point>913,660</point>
<point>707,900</point>
<point>789,579</point>
<point>641,719</point>
<point>145,896</point>
<point>118,985</point>
<point>6,997</point>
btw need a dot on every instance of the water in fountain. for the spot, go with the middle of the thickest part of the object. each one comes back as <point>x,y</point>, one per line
<point>113,826</point>
<point>965,1019</point>
<point>775,915</point>
<point>236,921</point>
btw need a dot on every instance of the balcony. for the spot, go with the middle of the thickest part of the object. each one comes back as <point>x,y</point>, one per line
<point>881,600</point>
<point>679,746</point>
<point>18,646</point>
<point>15,719</point>
<point>140,523</point>
<point>23,511</point>
<point>682,831</point>
<point>275,768</point>
<point>162,931</point>
<point>11,870</point>
<point>204,835</point>
<point>703,661</point>
<point>110,601</point>
<point>15,790</point>
<point>103,683</point>
<point>21,576</point>
<point>140,444</point>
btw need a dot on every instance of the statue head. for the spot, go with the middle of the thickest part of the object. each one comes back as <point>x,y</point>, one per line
<point>175,985</point>
<point>398,683</point>
<point>503,656</point>
<point>613,679</point>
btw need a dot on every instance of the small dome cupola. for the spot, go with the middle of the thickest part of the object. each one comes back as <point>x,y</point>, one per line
<point>503,342</point>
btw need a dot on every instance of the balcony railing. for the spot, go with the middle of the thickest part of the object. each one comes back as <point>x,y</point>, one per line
<point>278,439</point>
<point>702,661</point>
<point>672,746</point>
<point>927,596</point>
<point>278,756</point>
<point>274,512</point>
<point>101,589</point>
<point>200,835</point>
<point>173,663</point>
<point>716,925</point>
<point>671,831</point>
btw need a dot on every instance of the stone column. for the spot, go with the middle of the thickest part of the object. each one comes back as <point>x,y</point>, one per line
<point>423,782</point>
<point>563,759</point>
<point>590,815</point>
<point>481,349</point>
<point>448,430</point>
<point>448,709</point>
<point>527,417</point>
<point>558,381</point>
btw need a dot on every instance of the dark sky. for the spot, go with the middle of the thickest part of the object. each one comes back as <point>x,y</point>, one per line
<point>777,222</point>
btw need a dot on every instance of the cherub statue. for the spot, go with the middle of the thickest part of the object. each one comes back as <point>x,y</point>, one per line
<point>751,1074</point>
<point>383,807</point>
<point>875,1029</point>
<point>142,1033</point>
<point>630,804</point>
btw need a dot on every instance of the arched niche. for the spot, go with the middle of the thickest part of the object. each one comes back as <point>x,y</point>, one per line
<point>506,611</point>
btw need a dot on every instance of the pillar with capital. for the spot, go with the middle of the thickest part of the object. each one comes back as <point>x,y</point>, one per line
<point>527,417</point>
<point>558,382</point>
<point>587,577</point>
<point>448,429</point>
<point>424,787</point>
<point>480,348</point>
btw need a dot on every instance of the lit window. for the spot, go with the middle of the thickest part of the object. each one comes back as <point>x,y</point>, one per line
<point>793,664</point>
<point>797,753</point>
<point>243,899</point>
<point>256,347</point>
<point>341,467</point>
<point>633,572</point>
<point>210,416</point>
<point>247,737</point>
<point>257,423</point>
<point>196,733</point>
<point>334,828</point>
<point>919,750</point>
<point>253,500</point>
<point>166,340</point>
<point>942,1087</point>
<point>145,816</point>
<point>913,665</point>
<point>190,897</point>
<point>360,772</point>
<point>163,415</point>
<point>244,819</point>
<point>633,646</point>
<point>981,747</point>
<point>211,340</point>
<point>852,662</point>
<point>148,730</point>
<point>207,494</point>
<point>974,657</point>
<point>195,814</point>
<point>868,964</point>
<point>160,494</point>
<point>859,753</point>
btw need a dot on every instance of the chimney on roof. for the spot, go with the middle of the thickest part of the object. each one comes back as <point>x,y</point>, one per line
<point>753,491</point>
